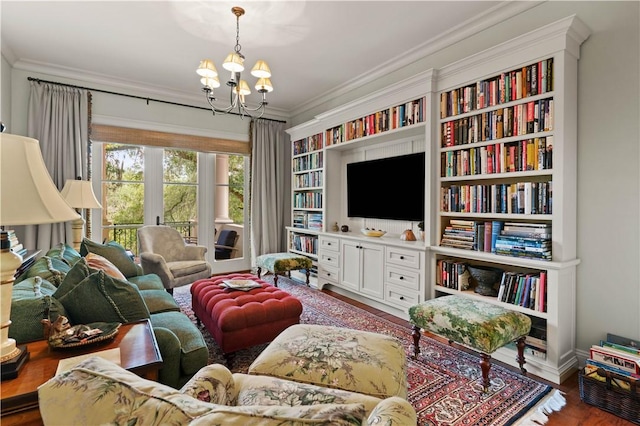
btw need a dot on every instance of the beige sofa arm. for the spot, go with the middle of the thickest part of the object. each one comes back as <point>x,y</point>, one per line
<point>155,264</point>
<point>213,383</point>
<point>193,252</point>
<point>393,411</point>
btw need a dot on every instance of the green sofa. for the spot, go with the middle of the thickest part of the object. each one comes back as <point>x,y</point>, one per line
<point>62,282</point>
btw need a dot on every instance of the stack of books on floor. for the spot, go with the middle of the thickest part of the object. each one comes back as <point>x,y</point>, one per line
<point>610,377</point>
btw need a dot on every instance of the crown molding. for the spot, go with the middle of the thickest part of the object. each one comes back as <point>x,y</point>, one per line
<point>489,18</point>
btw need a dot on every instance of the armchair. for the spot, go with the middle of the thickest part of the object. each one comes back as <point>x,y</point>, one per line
<point>164,252</point>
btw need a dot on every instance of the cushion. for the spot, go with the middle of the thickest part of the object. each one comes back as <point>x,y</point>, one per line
<point>96,261</point>
<point>357,361</point>
<point>48,268</point>
<point>100,297</point>
<point>98,391</point>
<point>476,324</point>
<point>64,252</point>
<point>265,390</point>
<point>114,252</point>
<point>283,262</point>
<point>31,302</point>
<point>159,301</point>
<point>147,282</point>
<point>322,414</point>
<point>76,274</point>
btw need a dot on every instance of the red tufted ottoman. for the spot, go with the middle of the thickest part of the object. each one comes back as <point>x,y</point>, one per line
<point>241,319</point>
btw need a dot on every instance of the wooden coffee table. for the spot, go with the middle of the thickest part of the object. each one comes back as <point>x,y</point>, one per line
<point>139,354</point>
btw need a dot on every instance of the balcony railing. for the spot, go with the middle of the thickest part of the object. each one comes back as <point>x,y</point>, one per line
<point>126,234</point>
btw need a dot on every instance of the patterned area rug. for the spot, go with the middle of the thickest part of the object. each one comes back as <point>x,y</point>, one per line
<point>445,383</point>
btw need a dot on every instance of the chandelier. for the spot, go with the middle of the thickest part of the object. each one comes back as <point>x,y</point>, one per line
<point>238,87</point>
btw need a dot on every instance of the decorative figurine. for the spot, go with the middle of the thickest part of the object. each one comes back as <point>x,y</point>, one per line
<point>344,228</point>
<point>335,227</point>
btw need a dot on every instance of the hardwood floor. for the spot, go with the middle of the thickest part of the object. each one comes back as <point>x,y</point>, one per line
<point>574,413</point>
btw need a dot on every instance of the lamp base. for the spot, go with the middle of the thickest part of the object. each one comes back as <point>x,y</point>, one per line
<point>11,368</point>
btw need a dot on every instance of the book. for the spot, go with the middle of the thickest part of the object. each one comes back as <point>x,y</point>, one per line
<point>67,364</point>
<point>629,349</point>
<point>619,359</point>
<point>622,340</point>
<point>611,368</point>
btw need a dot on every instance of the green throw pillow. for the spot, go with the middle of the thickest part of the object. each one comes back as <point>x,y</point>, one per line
<point>100,297</point>
<point>64,252</point>
<point>76,275</point>
<point>31,302</point>
<point>48,268</point>
<point>114,253</point>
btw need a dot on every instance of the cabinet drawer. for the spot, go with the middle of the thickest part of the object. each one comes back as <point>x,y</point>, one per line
<point>329,258</point>
<point>405,278</point>
<point>401,297</point>
<point>328,274</point>
<point>405,258</point>
<point>329,243</point>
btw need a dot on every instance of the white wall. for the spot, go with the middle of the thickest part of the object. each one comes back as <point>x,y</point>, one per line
<point>5,93</point>
<point>608,223</point>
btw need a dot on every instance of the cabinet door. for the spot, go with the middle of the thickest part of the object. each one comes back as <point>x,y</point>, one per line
<point>372,264</point>
<point>350,273</point>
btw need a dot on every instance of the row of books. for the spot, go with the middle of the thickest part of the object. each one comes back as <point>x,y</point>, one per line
<point>402,115</point>
<point>304,243</point>
<point>523,119</point>
<point>308,144</point>
<point>518,156</point>
<point>311,179</point>
<point>519,239</point>
<point>519,197</point>
<point>509,86</point>
<point>617,355</point>
<point>307,200</point>
<point>307,220</point>
<point>313,160</point>
<point>526,290</point>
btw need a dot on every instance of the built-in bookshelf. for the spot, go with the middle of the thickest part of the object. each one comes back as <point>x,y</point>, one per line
<point>506,149</point>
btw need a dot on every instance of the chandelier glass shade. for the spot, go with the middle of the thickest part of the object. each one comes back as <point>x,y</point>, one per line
<point>238,88</point>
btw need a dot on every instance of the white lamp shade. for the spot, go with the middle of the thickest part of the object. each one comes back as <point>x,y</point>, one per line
<point>243,88</point>
<point>28,195</point>
<point>79,194</point>
<point>264,85</point>
<point>211,82</point>
<point>234,63</point>
<point>207,69</point>
<point>261,70</point>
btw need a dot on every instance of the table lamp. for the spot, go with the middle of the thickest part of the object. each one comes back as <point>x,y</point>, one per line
<point>79,195</point>
<point>28,196</point>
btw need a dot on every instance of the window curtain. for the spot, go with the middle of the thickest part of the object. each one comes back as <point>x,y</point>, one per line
<point>270,187</point>
<point>58,117</point>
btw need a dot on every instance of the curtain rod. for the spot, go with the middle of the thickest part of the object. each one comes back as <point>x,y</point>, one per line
<point>37,80</point>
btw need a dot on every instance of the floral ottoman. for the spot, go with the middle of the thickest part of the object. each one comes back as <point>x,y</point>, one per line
<point>341,358</point>
<point>281,263</point>
<point>481,326</point>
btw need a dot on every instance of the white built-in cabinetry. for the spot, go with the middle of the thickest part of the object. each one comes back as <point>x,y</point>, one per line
<point>393,275</point>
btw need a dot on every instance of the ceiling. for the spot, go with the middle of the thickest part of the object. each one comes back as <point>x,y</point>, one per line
<point>314,48</point>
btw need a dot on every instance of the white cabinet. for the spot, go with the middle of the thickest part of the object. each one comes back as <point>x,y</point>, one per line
<point>404,277</point>
<point>328,260</point>
<point>362,267</point>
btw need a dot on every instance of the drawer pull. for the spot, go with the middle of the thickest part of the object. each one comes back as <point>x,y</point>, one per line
<point>328,274</point>
<point>402,278</point>
<point>401,257</point>
<point>401,297</point>
<point>329,259</point>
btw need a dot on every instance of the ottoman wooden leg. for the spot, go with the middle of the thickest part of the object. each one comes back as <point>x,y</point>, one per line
<point>485,366</point>
<point>520,358</point>
<point>416,341</point>
<point>275,279</point>
<point>259,271</point>
<point>308,274</point>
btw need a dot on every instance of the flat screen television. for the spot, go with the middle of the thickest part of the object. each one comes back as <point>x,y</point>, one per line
<point>387,188</point>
